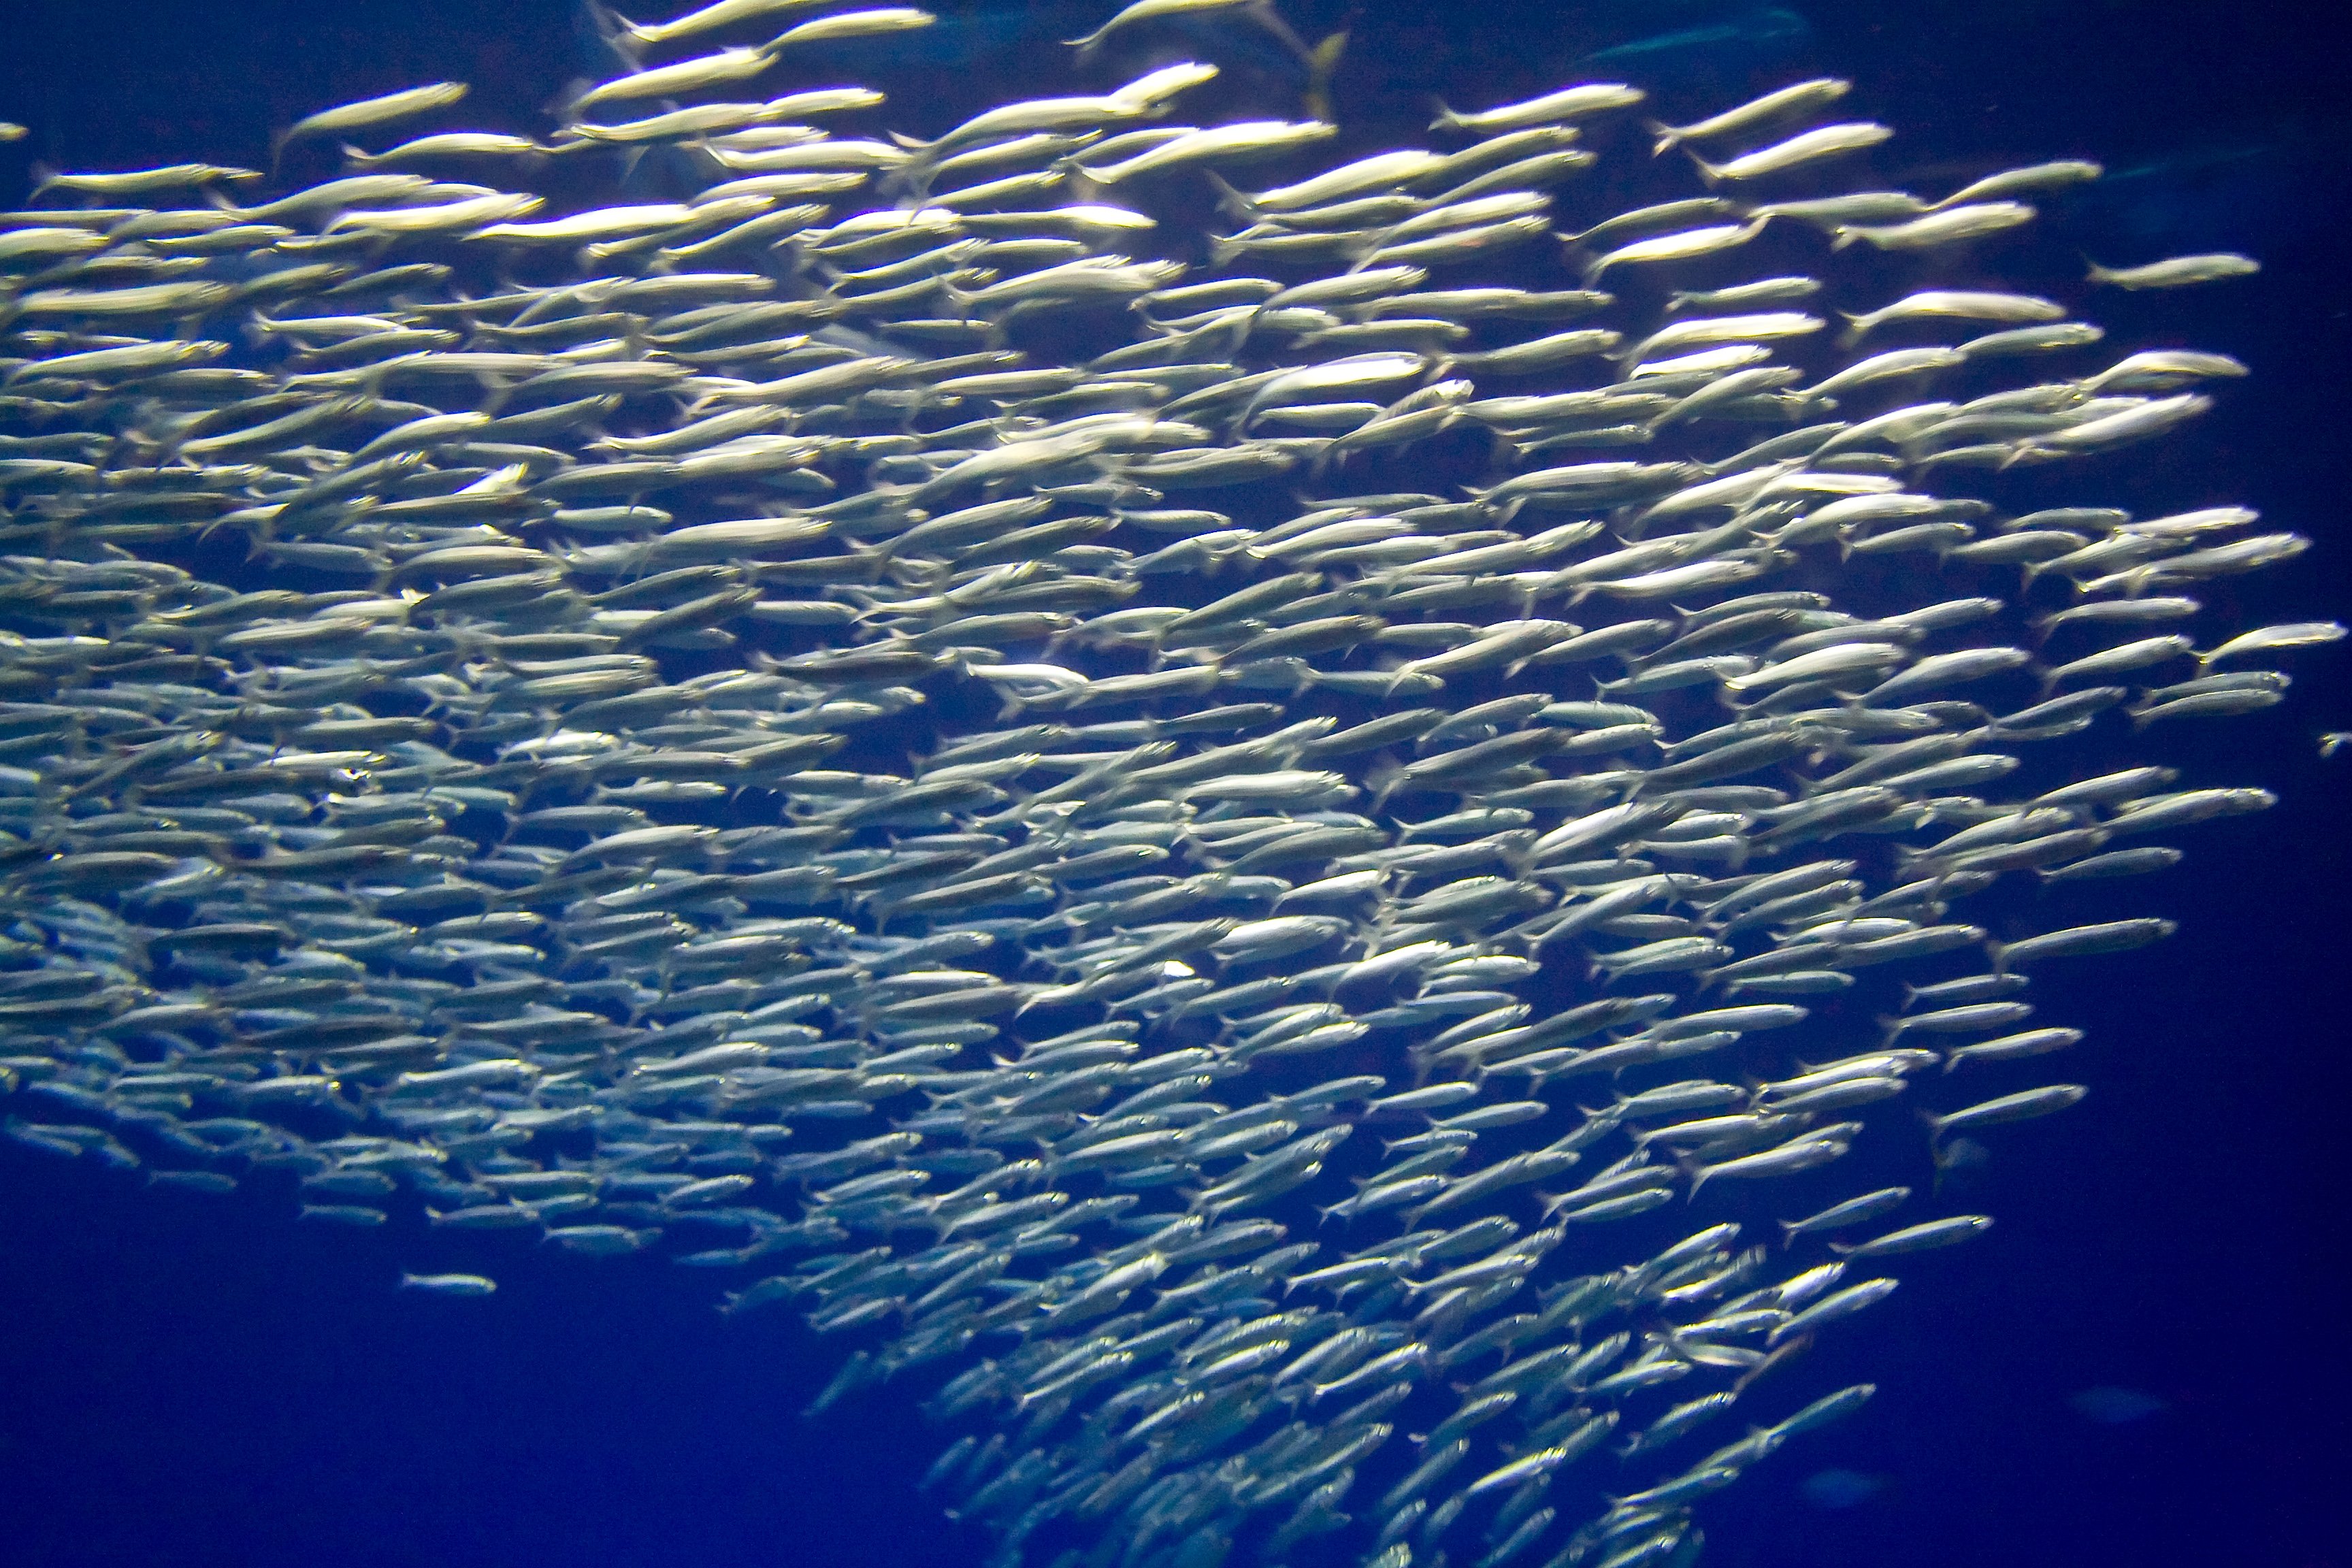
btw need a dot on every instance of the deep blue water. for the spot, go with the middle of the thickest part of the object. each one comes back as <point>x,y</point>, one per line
<point>193,1381</point>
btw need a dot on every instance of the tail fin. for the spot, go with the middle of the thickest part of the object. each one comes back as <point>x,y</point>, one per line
<point>560,106</point>
<point>1230,199</point>
<point>1698,1173</point>
<point>624,39</point>
<point>1322,61</point>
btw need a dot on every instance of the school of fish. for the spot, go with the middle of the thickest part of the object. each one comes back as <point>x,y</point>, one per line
<point>1312,865</point>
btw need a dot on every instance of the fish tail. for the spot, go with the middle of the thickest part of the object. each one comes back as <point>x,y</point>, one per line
<point>567,99</point>
<point>625,38</point>
<point>1447,118</point>
<point>1666,138</point>
<point>1266,16</point>
<point>1229,199</point>
<point>1711,173</point>
<point>1322,61</point>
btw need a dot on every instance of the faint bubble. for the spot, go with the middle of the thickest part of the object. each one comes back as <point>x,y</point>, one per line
<point>1841,1488</point>
<point>1961,1165</point>
<point>1965,1154</point>
<point>2113,1406</point>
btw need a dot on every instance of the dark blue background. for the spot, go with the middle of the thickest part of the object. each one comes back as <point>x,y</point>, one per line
<point>200,1383</point>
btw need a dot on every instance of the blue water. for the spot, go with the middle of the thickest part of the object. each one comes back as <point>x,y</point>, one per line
<point>2145,1363</point>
